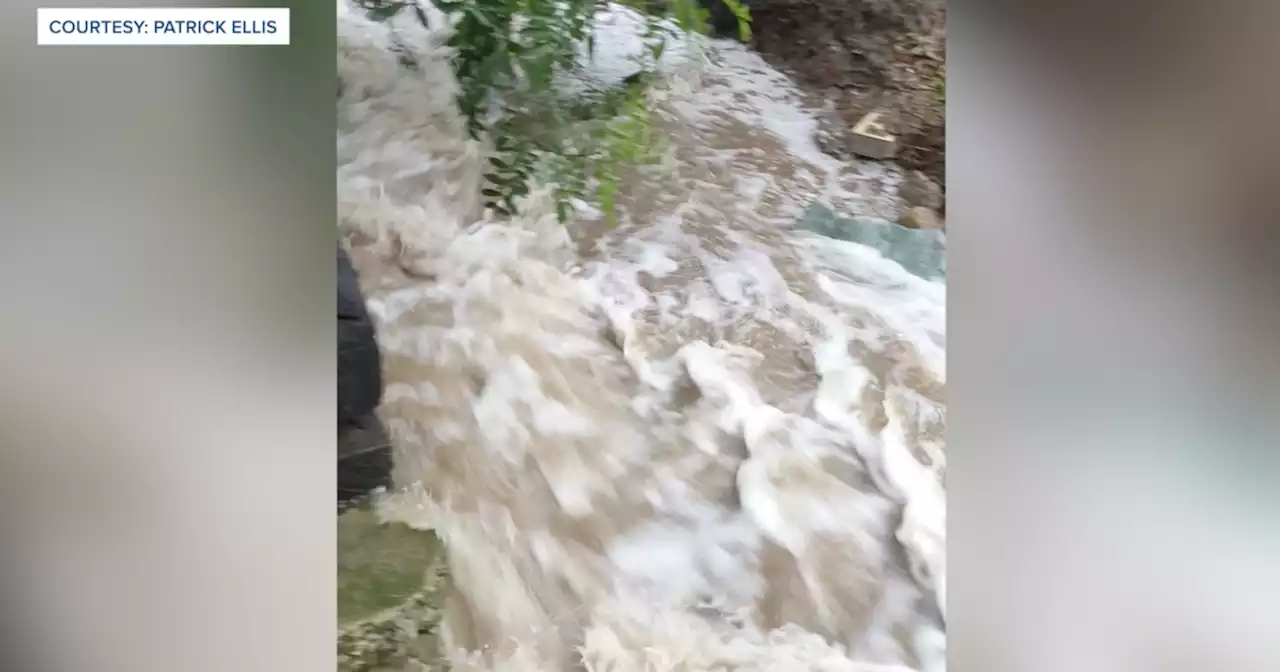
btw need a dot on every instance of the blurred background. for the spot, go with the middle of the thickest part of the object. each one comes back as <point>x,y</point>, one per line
<point>168,370</point>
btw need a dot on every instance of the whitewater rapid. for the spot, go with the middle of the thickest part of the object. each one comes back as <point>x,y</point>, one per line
<point>701,440</point>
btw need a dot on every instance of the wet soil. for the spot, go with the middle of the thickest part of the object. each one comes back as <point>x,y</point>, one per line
<point>856,55</point>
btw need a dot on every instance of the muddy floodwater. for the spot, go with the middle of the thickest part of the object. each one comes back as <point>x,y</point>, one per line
<point>700,440</point>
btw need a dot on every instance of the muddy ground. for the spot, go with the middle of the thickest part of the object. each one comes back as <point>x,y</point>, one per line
<point>856,55</point>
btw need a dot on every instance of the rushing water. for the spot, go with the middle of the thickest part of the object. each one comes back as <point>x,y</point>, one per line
<point>700,440</point>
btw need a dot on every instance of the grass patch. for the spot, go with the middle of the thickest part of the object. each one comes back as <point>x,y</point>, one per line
<point>379,566</point>
<point>392,581</point>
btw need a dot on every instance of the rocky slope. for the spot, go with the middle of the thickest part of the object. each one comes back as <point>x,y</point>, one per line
<point>856,55</point>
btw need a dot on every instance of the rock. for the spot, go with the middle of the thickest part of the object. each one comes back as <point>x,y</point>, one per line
<point>919,190</point>
<point>920,218</point>
<point>871,138</point>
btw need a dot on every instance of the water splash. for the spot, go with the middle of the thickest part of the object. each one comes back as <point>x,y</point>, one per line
<point>699,440</point>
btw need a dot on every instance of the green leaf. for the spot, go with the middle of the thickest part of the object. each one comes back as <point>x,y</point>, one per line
<point>541,133</point>
<point>658,50</point>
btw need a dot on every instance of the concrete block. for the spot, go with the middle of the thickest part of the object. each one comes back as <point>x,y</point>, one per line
<point>871,139</point>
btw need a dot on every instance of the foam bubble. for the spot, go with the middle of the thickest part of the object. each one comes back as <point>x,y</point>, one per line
<point>693,441</point>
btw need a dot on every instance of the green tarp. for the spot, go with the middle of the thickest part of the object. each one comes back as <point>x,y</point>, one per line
<point>922,252</point>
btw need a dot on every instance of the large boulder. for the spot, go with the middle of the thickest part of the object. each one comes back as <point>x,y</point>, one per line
<point>364,453</point>
<point>359,364</point>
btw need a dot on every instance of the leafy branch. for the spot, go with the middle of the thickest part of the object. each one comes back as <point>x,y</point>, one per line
<point>507,57</point>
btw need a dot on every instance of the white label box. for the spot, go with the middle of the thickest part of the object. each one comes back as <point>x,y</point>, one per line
<point>162,26</point>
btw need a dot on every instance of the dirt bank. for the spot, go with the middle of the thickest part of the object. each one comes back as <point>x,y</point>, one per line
<point>855,55</point>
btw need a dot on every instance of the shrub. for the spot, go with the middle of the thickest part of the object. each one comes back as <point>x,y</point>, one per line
<point>509,56</point>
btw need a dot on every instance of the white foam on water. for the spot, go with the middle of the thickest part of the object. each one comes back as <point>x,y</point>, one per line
<point>699,440</point>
